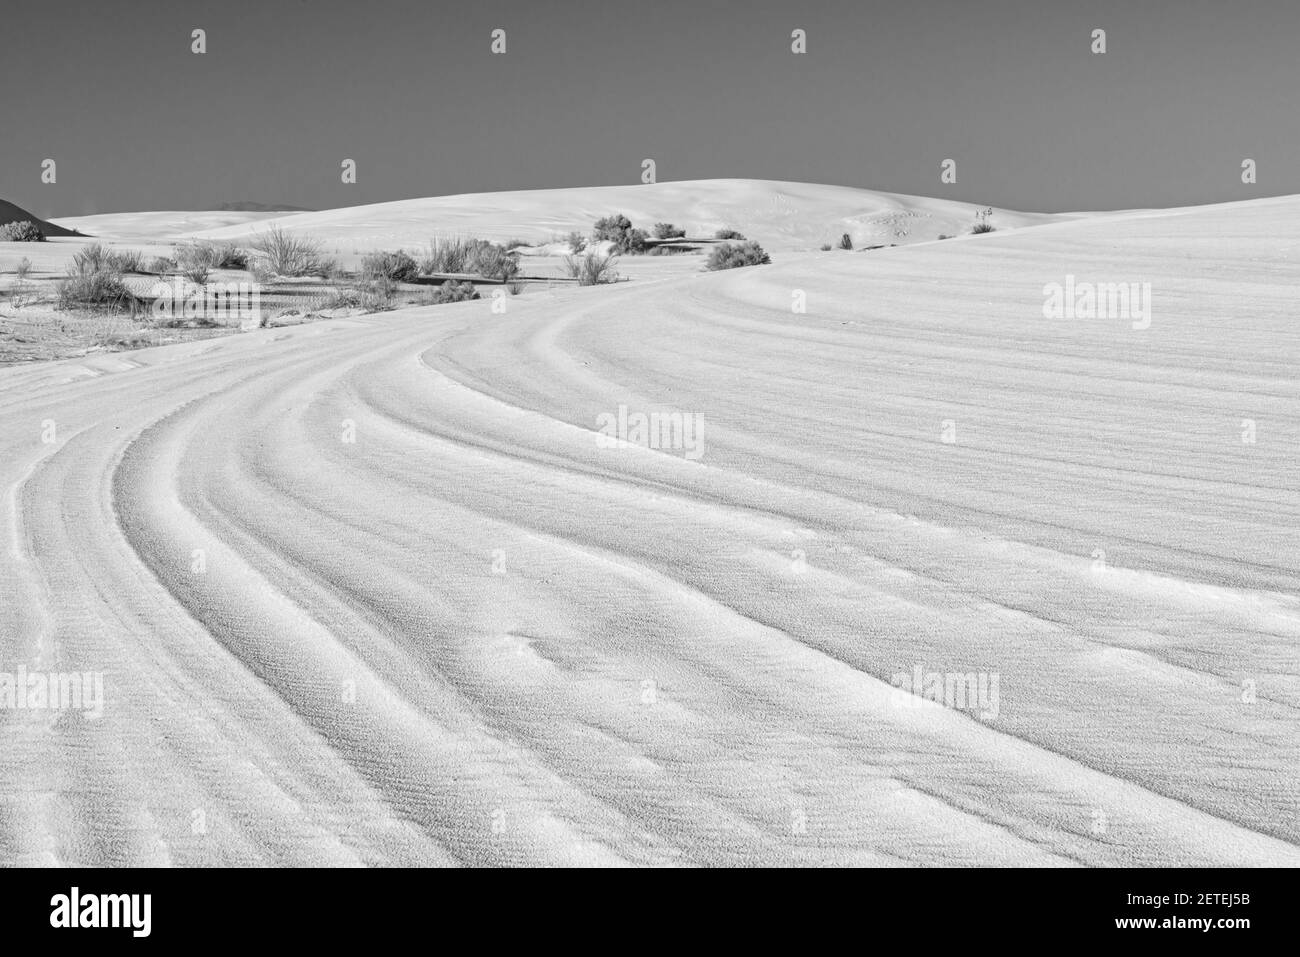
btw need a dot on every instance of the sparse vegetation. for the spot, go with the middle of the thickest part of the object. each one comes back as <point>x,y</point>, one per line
<point>577,242</point>
<point>211,255</point>
<point>735,255</point>
<point>466,256</point>
<point>91,284</point>
<point>728,234</point>
<point>374,296</point>
<point>127,260</point>
<point>618,230</point>
<point>454,291</point>
<point>846,241</point>
<point>982,224</point>
<point>397,266</point>
<point>827,247</point>
<point>161,265</point>
<point>667,231</point>
<point>22,231</point>
<point>944,236</point>
<point>196,273</point>
<point>592,269</point>
<point>22,268</point>
<point>287,254</point>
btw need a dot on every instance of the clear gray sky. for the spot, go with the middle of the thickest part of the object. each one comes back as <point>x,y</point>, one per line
<point>588,88</point>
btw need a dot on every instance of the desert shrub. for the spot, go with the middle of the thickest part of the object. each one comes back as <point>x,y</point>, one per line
<point>454,291</point>
<point>982,224</point>
<point>325,268</point>
<point>667,231</point>
<point>667,250</point>
<point>22,268</point>
<point>733,255</point>
<point>728,234</point>
<point>468,255</point>
<point>373,296</point>
<point>126,260</point>
<point>287,254</point>
<point>397,266</point>
<point>23,231</point>
<point>592,269</point>
<point>577,242</point>
<point>261,271</point>
<point>618,230</point>
<point>91,259</point>
<point>515,242</point>
<point>846,241</point>
<point>228,256</point>
<point>515,286</point>
<point>944,236</point>
<point>495,262</point>
<point>160,265</point>
<point>100,289</point>
<point>196,273</point>
<point>826,247</point>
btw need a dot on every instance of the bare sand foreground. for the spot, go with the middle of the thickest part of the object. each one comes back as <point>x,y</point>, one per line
<point>370,591</point>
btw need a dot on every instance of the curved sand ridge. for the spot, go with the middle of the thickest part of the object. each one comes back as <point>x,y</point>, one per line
<point>780,215</point>
<point>472,635</point>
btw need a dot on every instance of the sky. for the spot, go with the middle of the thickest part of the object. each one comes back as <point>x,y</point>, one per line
<point>410,90</point>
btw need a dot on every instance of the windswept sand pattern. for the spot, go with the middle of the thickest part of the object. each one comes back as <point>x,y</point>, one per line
<point>432,621</point>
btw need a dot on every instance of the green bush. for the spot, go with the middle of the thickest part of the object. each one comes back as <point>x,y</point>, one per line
<point>734,255</point>
<point>22,231</point>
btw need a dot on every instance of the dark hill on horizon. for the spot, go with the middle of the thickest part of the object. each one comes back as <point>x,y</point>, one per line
<point>9,213</point>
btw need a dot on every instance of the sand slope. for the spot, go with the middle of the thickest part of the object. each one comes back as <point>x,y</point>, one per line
<point>780,215</point>
<point>162,225</point>
<point>472,635</point>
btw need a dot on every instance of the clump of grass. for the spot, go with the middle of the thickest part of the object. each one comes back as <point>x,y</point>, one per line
<point>196,273</point>
<point>92,283</point>
<point>728,234</point>
<point>827,247</point>
<point>982,224</point>
<point>212,255</point>
<point>454,291</point>
<point>846,241</point>
<point>397,266</point>
<point>944,236</point>
<point>127,260</point>
<point>22,231</point>
<point>466,255</point>
<point>287,254</point>
<point>91,259</point>
<point>376,295</point>
<point>735,255</point>
<point>592,269</point>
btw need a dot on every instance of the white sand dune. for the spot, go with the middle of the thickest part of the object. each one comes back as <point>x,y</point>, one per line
<point>780,215</point>
<point>155,226</point>
<point>565,653</point>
